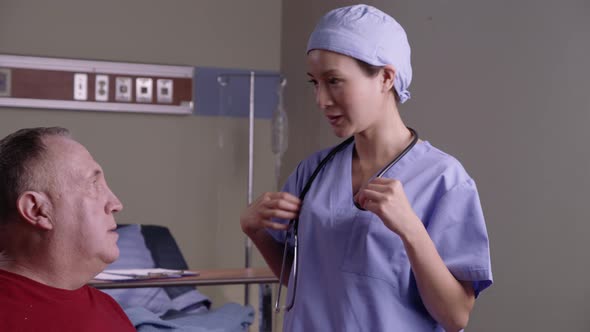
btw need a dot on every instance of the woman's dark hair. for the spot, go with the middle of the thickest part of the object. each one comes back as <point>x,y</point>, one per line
<point>372,71</point>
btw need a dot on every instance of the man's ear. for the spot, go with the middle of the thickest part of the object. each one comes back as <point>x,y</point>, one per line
<point>34,207</point>
<point>388,78</point>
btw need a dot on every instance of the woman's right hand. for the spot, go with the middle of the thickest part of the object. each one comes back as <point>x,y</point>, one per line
<point>269,205</point>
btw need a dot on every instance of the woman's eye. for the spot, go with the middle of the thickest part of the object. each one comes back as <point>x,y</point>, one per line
<point>333,80</point>
<point>314,82</point>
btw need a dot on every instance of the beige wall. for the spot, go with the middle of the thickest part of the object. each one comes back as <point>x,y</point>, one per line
<point>169,170</point>
<point>504,86</point>
<point>501,85</point>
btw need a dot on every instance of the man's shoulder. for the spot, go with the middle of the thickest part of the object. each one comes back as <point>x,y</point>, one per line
<point>51,311</point>
<point>102,298</point>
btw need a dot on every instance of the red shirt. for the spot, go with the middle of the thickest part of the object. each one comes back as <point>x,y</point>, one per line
<point>29,306</point>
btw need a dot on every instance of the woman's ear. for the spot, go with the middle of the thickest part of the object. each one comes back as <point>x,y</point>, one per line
<point>35,208</point>
<point>388,77</point>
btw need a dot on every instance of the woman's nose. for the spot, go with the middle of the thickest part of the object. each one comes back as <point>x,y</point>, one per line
<point>322,97</point>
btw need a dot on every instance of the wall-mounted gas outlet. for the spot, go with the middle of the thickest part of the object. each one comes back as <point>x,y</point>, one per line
<point>80,86</point>
<point>101,88</point>
<point>164,90</point>
<point>5,82</point>
<point>123,88</point>
<point>143,90</point>
<point>53,83</point>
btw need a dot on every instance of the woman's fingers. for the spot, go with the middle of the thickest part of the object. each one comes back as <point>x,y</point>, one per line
<point>275,225</point>
<point>369,195</point>
<point>283,196</point>
<point>283,204</point>
<point>280,205</point>
<point>382,180</point>
<point>268,214</point>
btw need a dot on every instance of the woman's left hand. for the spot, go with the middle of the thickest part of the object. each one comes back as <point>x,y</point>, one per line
<point>387,199</point>
<point>449,301</point>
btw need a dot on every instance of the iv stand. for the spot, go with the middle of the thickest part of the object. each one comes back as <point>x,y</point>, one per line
<point>222,80</point>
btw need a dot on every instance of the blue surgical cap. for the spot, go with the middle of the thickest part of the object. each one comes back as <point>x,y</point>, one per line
<point>368,34</point>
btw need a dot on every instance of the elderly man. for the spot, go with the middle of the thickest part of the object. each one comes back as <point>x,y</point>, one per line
<point>57,231</point>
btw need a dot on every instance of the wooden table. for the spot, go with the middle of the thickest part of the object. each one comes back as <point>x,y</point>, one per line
<point>205,278</point>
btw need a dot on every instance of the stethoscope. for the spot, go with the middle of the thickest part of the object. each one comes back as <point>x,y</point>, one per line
<point>292,232</point>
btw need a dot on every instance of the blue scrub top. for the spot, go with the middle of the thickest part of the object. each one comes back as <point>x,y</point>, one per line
<point>354,273</point>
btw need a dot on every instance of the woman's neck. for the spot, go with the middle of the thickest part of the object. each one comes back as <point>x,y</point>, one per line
<point>378,145</point>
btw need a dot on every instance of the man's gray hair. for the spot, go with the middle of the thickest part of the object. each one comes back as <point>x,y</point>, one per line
<point>19,153</point>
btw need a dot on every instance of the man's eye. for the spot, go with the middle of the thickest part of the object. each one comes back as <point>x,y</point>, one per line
<point>314,82</point>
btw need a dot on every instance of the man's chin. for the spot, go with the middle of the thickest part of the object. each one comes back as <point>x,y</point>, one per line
<point>111,256</point>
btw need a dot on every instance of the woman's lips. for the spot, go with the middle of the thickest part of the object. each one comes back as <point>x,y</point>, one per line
<point>334,119</point>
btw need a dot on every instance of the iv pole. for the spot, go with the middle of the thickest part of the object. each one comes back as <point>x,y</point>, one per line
<point>248,244</point>
<point>223,81</point>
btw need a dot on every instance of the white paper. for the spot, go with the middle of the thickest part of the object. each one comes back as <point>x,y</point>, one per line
<point>135,274</point>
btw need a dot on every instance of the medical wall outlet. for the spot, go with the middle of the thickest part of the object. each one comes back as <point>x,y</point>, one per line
<point>47,83</point>
<point>143,90</point>
<point>101,88</point>
<point>5,82</point>
<point>164,90</point>
<point>123,89</point>
<point>80,86</point>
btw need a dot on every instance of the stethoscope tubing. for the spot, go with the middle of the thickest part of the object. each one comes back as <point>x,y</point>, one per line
<point>294,223</point>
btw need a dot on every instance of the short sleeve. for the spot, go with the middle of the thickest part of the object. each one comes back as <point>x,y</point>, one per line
<point>457,228</point>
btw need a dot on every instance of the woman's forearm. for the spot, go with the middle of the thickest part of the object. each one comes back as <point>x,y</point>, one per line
<point>448,300</point>
<point>272,252</point>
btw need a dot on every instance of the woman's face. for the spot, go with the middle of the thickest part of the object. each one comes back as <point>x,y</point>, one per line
<point>351,100</point>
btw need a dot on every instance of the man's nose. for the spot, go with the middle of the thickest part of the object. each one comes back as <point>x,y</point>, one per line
<point>114,205</point>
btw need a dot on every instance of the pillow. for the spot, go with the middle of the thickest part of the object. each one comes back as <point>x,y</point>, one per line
<point>135,254</point>
<point>166,254</point>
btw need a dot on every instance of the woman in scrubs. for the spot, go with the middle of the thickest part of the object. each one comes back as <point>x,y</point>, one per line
<point>407,251</point>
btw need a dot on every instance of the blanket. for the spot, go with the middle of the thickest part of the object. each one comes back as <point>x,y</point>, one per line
<point>230,317</point>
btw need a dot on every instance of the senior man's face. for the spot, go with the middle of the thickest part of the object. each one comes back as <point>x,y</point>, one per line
<point>83,204</point>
